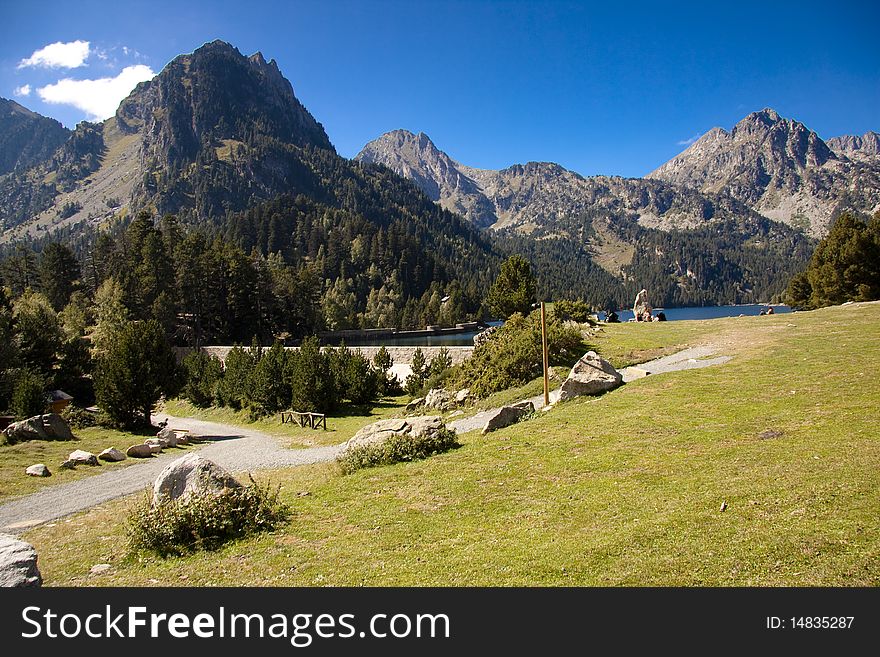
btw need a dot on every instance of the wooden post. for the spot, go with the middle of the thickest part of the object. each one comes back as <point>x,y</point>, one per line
<point>546,356</point>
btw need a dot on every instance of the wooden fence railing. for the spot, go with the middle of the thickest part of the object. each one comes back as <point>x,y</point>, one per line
<point>311,420</point>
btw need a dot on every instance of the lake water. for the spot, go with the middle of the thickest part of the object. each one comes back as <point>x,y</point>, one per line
<point>704,312</point>
<point>672,315</point>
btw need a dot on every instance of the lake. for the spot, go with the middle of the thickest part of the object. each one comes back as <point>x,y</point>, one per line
<point>672,315</point>
<point>705,312</point>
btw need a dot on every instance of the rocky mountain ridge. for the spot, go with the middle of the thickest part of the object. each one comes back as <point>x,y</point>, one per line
<point>781,169</point>
<point>26,138</point>
<point>533,198</point>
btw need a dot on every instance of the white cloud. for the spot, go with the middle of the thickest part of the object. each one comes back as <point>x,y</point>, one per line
<point>688,142</point>
<point>59,55</point>
<point>97,98</point>
<point>23,90</point>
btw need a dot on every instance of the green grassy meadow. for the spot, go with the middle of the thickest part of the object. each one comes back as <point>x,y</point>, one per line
<point>625,489</point>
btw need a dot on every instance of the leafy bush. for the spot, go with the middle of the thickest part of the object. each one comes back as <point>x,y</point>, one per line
<point>512,355</point>
<point>204,522</point>
<point>78,418</point>
<point>404,447</point>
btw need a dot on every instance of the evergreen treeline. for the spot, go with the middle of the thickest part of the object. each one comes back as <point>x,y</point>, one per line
<point>266,381</point>
<point>844,267</point>
<point>745,260</point>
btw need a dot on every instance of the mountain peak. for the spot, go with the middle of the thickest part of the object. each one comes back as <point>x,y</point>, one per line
<point>778,167</point>
<point>26,137</point>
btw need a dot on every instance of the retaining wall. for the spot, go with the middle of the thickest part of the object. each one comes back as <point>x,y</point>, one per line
<point>400,355</point>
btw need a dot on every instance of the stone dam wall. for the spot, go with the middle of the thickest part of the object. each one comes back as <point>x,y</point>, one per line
<point>400,355</point>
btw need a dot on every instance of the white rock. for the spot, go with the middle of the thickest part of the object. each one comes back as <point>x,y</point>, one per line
<point>139,451</point>
<point>81,457</point>
<point>18,563</point>
<point>591,375</point>
<point>191,475</point>
<point>111,454</point>
<point>38,470</point>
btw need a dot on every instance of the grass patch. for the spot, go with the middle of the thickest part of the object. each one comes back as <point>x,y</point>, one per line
<point>623,489</point>
<point>14,459</point>
<point>630,343</point>
<point>341,425</point>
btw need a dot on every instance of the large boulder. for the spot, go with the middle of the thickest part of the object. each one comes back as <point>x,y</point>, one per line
<point>111,454</point>
<point>641,308</point>
<point>29,429</point>
<point>379,432</point>
<point>591,375</point>
<point>415,405</point>
<point>438,399</point>
<point>167,437</point>
<point>507,415</point>
<point>82,457</point>
<point>56,427</point>
<point>191,475</point>
<point>50,426</point>
<point>18,563</point>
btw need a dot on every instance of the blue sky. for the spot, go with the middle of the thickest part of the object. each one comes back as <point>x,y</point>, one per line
<point>607,87</point>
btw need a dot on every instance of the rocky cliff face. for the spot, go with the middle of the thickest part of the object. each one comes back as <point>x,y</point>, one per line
<point>215,131</point>
<point>538,197</point>
<point>779,168</point>
<point>865,147</point>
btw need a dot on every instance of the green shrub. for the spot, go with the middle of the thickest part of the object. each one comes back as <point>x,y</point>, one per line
<point>78,418</point>
<point>405,447</point>
<point>233,387</point>
<point>512,355</point>
<point>576,311</point>
<point>268,386</point>
<point>204,522</point>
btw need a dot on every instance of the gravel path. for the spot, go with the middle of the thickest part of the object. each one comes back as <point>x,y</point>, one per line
<point>239,449</point>
<point>236,449</point>
<point>689,359</point>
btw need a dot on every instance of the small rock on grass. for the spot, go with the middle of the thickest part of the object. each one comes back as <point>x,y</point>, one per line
<point>111,454</point>
<point>79,456</point>
<point>139,451</point>
<point>38,470</point>
<point>100,568</point>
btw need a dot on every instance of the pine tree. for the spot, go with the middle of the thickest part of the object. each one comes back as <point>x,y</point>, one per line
<point>513,290</point>
<point>59,274</point>
<point>138,368</point>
